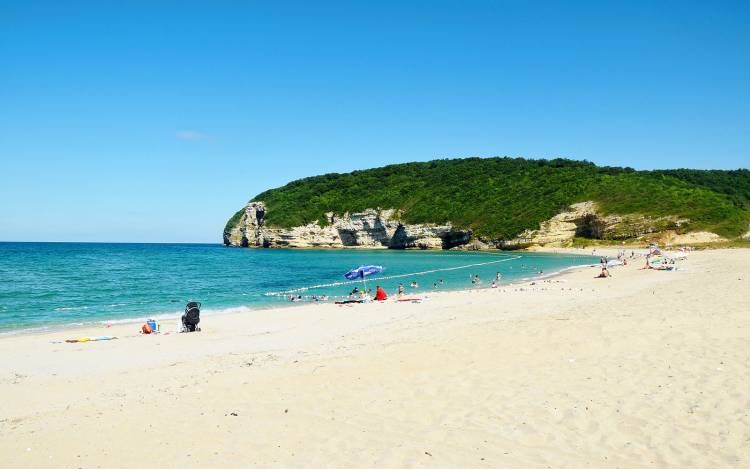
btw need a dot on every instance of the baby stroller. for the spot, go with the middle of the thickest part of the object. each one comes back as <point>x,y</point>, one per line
<point>192,317</point>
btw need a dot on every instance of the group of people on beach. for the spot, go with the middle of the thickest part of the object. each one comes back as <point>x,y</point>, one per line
<point>366,295</point>
<point>622,258</point>
<point>295,298</point>
<point>655,259</point>
<point>358,294</point>
<point>658,260</point>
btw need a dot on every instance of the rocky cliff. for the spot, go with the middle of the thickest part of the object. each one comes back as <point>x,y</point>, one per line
<point>370,228</point>
<point>585,220</point>
<point>383,229</point>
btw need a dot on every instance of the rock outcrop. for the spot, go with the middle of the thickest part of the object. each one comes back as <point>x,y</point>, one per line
<point>584,220</point>
<point>369,229</point>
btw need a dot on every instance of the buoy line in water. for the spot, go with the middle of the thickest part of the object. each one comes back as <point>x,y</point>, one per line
<point>388,277</point>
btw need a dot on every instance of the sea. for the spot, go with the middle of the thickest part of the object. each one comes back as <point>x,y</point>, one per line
<point>46,286</point>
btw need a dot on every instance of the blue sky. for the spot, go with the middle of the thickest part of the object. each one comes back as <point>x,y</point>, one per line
<point>155,121</point>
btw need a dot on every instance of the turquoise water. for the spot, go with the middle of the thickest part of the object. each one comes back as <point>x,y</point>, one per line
<point>52,284</point>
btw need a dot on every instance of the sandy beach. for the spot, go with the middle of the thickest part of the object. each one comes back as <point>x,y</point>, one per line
<point>644,369</point>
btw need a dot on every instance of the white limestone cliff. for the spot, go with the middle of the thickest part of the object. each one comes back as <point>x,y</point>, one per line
<point>383,228</point>
<point>368,229</point>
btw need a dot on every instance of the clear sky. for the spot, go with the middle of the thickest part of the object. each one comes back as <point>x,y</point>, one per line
<point>155,121</point>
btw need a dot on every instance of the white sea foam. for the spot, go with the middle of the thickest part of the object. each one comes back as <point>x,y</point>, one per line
<point>71,308</point>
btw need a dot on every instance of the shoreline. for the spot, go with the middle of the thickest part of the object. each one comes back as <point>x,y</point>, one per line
<point>110,323</point>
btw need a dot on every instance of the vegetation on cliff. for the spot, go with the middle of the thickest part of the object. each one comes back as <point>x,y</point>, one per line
<point>501,197</point>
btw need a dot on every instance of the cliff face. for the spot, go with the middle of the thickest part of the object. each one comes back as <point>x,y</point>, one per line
<point>584,220</point>
<point>383,229</point>
<point>370,228</point>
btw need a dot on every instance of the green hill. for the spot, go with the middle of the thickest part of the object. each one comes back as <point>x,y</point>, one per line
<point>501,197</point>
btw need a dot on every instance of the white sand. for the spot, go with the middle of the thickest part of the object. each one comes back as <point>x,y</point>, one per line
<point>644,369</point>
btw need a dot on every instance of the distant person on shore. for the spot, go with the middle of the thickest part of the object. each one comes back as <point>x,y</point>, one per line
<point>441,282</point>
<point>434,286</point>
<point>400,289</point>
<point>380,294</point>
<point>604,273</point>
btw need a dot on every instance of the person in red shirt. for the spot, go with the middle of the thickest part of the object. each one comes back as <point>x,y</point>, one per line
<point>380,294</point>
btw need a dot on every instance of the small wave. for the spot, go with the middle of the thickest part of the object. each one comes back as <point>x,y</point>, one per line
<point>71,308</point>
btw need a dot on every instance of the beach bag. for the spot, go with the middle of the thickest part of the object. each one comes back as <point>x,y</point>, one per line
<point>146,329</point>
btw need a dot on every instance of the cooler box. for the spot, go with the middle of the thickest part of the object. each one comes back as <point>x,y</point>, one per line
<point>153,324</point>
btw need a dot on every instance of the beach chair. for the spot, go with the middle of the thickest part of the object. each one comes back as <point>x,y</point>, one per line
<point>192,317</point>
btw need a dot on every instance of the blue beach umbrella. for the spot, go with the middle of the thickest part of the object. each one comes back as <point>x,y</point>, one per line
<point>362,272</point>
